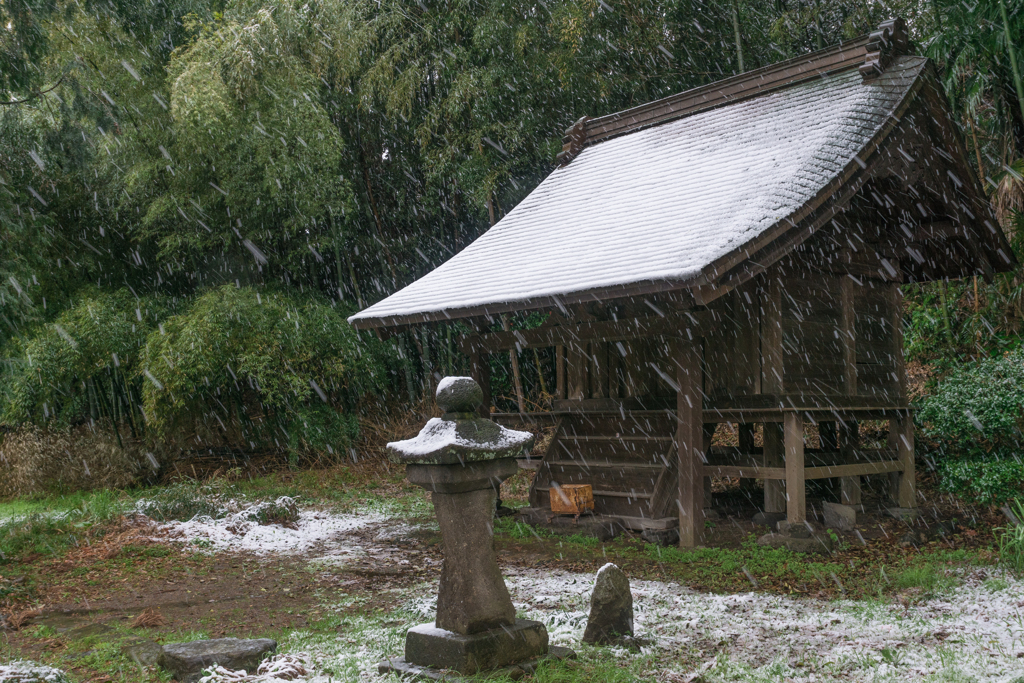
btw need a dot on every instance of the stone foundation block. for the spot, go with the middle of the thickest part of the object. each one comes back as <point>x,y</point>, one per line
<point>837,516</point>
<point>427,645</point>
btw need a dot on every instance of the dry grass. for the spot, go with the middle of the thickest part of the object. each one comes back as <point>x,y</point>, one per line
<point>18,620</point>
<point>110,541</point>
<point>150,618</point>
<point>34,460</point>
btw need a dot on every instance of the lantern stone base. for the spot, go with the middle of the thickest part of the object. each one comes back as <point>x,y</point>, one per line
<point>430,649</point>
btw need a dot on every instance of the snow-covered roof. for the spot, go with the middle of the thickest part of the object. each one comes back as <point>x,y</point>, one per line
<point>661,205</point>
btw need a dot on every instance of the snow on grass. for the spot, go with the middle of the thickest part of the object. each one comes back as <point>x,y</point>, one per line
<point>29,672</point>
<point>972,629</point>
<point>314,530</point>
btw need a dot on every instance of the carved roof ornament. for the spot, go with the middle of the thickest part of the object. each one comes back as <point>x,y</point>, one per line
<point>574,141</point>
<point>889,41</point>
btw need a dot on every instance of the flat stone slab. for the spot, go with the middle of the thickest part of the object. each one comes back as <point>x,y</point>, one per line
<point>426,673</point>
<point>187,660</point>
<point>427,645</point>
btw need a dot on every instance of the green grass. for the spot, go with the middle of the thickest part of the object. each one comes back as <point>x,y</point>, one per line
<point>711,565</point>
<point>927,576</point>
<point>1011,541</point>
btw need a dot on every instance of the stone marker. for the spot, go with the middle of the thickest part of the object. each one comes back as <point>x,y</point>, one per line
<point>462,460</point>
<point>611,608</point>
<point>187,660</point>
<point>838,516</point>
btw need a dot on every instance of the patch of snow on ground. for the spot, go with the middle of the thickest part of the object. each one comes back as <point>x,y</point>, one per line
<point>30,672</point>
<point>282,667</point>
<point>974,629</point>
<point>315,530</point>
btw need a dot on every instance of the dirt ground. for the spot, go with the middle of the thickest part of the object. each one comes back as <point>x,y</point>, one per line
<point>77,609</point>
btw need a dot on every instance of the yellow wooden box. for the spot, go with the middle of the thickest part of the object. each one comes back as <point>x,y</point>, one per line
<point>572,499</point>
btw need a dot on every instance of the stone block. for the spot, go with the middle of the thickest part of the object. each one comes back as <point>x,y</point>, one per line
<point>661,537</point>
<point>515,672</point>
<point>187,660</point>
<point>768,519</point>
<point>429,646</point>
<point>838,516</point>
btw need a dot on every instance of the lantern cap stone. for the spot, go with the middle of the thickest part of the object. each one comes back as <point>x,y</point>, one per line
<point>458,395</point>
<point>460,437</point>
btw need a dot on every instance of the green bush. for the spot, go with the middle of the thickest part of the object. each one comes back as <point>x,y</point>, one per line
<point>82,364</point>
<point>972,424</point>
<point>263,366</point>
<point>987,481</point>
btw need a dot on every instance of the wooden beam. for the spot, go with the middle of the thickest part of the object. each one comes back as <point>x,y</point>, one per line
<point>689,324</point>
<point>778,474</point>
<point>689,442</point>
<point>796,493</point>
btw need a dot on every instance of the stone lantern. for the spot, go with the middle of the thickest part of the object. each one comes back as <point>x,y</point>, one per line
<point>462,459</point>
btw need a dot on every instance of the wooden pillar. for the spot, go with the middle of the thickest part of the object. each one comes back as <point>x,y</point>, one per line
<point>774,493</point>
<point>598,370</point>
<point>796,495</point>
<point>901,438</point>
<point>708,437</point>
<point>896,320</point>
<point>559,372</point>
<point>576,371</point>
<point>849,440</point>
<point>746,435</point>
<point>906,496</point>
<point>848,334</point>
<point>827,436</point>
<point>771,337</point>
<point>480,370</point>
<point>689,442</point>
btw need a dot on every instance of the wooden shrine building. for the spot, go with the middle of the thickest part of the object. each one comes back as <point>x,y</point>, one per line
<point>729,254</point>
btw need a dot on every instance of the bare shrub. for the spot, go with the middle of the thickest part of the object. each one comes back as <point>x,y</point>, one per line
<point>150,618</point>
<point>38,460</point>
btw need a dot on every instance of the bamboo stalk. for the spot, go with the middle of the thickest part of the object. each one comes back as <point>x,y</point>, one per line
<point>739,38</point>
<point>1013,56</point>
